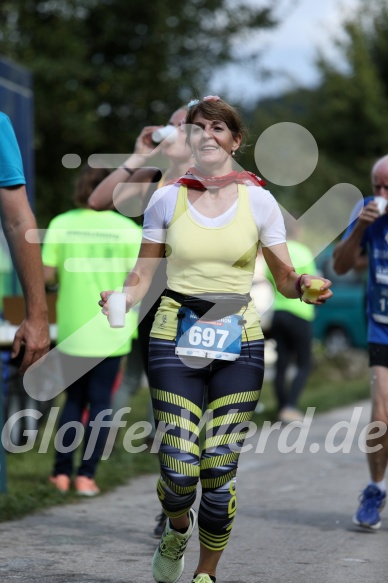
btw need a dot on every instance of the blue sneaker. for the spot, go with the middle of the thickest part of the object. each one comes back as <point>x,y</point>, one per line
<point>372,501</point>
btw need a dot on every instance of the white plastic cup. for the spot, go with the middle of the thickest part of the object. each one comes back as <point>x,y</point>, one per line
<point>381,203</point>
<point>117,309</point>
<point>160,134</point>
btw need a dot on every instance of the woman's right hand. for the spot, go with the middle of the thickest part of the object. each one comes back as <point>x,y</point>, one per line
<point>144,144</point>
<point>103,302</point>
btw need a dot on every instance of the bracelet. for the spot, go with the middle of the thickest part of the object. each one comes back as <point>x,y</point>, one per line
<point>298,286</point>
<point>129,170</point>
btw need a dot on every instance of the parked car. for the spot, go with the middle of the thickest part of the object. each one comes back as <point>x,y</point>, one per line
<point>341,323</point>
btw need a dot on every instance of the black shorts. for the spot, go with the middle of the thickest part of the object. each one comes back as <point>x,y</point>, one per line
<point>378,354</point>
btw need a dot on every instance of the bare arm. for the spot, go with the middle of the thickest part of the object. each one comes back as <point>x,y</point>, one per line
<point>139,279</point>
<point>348,253</point>
<point>17,219</point>
<point>136,178</point>
<point>121,186</point>
<point>279,262</point>
<point>361,262</point>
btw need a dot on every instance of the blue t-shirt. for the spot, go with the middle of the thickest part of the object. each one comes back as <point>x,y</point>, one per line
<point>11,166</point>
<point>375,242</point>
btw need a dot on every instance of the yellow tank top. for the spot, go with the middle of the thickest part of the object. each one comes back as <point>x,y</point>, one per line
<point>203,259</point>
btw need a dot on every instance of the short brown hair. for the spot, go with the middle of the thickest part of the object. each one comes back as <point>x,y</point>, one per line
<point>221,111</point>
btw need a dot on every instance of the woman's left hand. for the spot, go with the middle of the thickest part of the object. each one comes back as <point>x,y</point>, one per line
<point>315,290</point>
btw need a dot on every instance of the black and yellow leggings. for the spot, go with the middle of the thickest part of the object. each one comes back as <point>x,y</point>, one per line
<point>179,390</point>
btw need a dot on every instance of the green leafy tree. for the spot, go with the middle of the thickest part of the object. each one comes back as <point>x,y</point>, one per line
<point>104,68</point>
<point>348,112</point>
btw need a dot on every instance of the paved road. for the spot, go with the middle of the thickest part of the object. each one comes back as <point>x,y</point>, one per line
<point>293,523</point>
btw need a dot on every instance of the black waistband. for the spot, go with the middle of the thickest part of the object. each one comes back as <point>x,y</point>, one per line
<point>217,305</point>
<point>180,298</point>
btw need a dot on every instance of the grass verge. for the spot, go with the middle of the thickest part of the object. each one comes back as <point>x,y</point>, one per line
<point>28,489</point>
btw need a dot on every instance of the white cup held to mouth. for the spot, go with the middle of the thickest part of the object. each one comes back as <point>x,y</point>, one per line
<point>160,134</point>
<point>381,203</point>
<point>117,309</point>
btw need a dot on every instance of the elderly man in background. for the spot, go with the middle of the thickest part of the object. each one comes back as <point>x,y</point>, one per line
<point>366,241</point>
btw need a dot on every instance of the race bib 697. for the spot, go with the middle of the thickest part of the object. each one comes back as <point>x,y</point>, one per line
<point>218,339</point>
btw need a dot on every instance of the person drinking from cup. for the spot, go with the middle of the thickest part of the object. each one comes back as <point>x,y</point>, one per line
<point>365,243</point>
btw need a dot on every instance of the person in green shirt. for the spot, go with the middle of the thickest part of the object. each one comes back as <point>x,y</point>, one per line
<point>83,250</point>
<point>292,330</point>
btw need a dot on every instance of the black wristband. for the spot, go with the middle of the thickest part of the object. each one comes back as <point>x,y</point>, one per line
<point>298,286</point>
<point>129,170</point>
